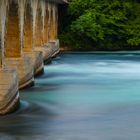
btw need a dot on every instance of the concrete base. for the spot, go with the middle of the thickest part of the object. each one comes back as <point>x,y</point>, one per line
<point>9,96</point>
<point>54,45</point>
<point>24,69</point>
<point>47,51</point>
<point>37,61</point>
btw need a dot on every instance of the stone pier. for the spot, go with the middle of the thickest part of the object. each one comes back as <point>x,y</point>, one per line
<point>28,49</point>
<point>14,56</point>
<point>28,37</point>
<point>46,26</point>
<point>39,31</point>
<point>53,23</point>
<point>9,94</point>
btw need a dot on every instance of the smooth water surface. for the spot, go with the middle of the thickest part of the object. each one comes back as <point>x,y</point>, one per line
<point>81,96</point>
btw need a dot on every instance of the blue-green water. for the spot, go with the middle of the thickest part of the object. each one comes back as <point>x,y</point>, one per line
<point>81,96</point>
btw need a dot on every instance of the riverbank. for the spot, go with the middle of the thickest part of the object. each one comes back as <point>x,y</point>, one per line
<point>99,49</point>
<point>136,52</point>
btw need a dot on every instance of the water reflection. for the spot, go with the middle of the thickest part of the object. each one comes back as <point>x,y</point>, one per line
<point>80,96</point>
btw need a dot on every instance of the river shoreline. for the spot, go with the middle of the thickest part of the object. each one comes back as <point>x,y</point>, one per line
<point>72,49</point>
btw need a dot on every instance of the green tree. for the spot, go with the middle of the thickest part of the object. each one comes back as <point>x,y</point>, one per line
<point>108,24</point>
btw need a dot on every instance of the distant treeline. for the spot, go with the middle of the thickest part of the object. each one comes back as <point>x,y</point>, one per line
<point>102,24</point>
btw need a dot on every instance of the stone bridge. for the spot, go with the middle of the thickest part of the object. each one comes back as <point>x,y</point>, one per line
<point>28,35</point>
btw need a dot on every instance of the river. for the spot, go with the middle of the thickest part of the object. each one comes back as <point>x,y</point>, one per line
<point>81,96</point>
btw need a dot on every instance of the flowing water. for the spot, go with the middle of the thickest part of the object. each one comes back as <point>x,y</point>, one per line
<point>81,96</point>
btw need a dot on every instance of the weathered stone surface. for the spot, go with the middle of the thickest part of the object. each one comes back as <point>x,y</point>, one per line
<point>9,96</point>
<point>28,30</point>
<point>37,61</point>
<point>46,37</point>
<point>54,45</point>
<point>12,34</point>
<point>0,58</point>
<point>50,50</point>
<point>24,69</point>
<point>46,50</point>
<point>38,29</point>
<point>53,24</point>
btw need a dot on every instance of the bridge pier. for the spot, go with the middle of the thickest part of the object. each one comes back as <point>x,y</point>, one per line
<point>53,23</point>
<point>28,49</point>
<point>45,30</point>
<point>28,35</point>
<point>9,95</point>
<point>14,56</point>
<point>39,28</point>
<point>46,26</point>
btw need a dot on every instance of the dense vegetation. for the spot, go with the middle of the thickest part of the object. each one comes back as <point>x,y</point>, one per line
<point>103,24</point>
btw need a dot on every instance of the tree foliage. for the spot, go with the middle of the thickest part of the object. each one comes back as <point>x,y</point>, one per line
<point>103,23</point>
